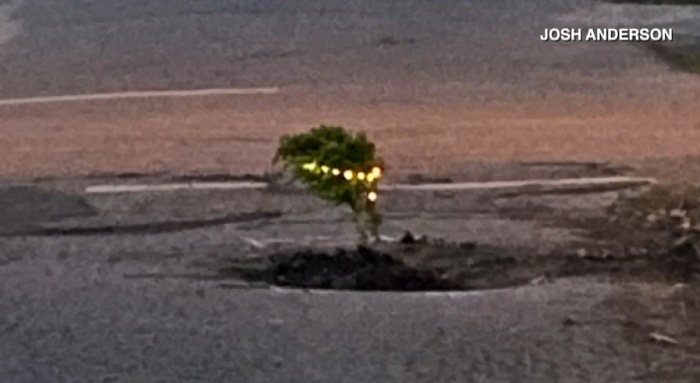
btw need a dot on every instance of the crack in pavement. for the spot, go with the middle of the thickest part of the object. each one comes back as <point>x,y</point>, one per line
<point>144,228</point>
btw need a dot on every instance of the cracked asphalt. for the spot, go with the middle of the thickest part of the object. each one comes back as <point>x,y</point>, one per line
<point>142,306</point>
<point>114,288</point>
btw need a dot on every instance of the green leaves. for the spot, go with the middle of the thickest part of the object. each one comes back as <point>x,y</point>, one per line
<point>337,166</point>
<point>328,145</point>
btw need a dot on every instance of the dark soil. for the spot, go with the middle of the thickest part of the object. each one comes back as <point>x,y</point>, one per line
<point>363,269</point>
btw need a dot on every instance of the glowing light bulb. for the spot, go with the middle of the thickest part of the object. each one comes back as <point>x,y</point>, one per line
<point>347,174</point>
<point>325,169</point>
<point>370,177</point>
<point>335,172</point>
<point>372,196</point>
<point>360,176</point>
<point>376,172</point>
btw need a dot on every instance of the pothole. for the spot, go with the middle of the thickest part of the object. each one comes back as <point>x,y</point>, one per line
<point>408,266</point>
<point>434,265</point>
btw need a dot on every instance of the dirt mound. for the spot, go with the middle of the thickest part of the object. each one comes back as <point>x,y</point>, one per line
<point>413,264</point>
<point>361,269</point>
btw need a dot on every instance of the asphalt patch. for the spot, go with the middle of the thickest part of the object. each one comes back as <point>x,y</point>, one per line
<point>25,207</point>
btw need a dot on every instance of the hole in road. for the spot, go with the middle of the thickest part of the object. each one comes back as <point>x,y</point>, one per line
<point>411,265</point>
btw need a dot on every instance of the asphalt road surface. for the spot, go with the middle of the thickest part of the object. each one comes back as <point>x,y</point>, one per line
<point>80,46</point>
<point>139,306</point>
<point>436,83</point>
<point>77,46</point>
<point>456,81</point>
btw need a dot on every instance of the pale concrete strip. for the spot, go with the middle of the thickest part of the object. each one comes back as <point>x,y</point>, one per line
<point>101,189</point>
<point>306,241</point>
<point>140,94</point>
<point>228,185</point>
<point>520,184</point>
<point>254,242</point>
<point>107,189</point>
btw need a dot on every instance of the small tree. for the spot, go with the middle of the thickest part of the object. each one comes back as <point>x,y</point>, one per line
<point>337,166</point>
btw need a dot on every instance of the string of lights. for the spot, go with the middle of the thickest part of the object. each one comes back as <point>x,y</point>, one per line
<point>369,177</point>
